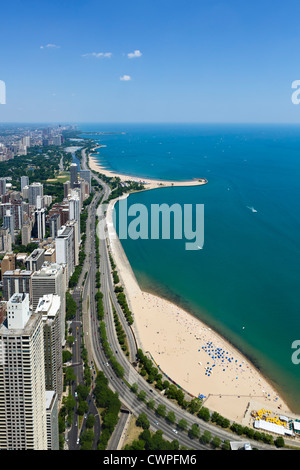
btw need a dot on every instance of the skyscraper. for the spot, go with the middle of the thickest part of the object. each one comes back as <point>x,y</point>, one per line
<point>26,232</point>
<point>34,190</point>
<point>23,424</point>
<point>49,308</point>
<point>74,211</point>
<point>16,281</point>
<point>24,182</point>
<point>64,246</point>
<point>35,260</point>
<point>9,222</point>
<point>67,186</point>
<point>50,279</point>
<point>52,420</point>
<point>55,224</point>
<point>39,227</point>
<point>5,239</point>
<point>73,174</point>
<point>2,186</point>
<point>86,175</point>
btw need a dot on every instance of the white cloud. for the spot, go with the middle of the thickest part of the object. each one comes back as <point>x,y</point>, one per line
<point>98,55</point>
<point>50,46</point>
<point>133,55</point>
<point>125,78</point>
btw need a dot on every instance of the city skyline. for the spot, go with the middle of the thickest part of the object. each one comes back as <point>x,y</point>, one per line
<point>165,62</point>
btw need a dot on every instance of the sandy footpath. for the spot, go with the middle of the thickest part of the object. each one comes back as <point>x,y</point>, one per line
<point>186,350</point>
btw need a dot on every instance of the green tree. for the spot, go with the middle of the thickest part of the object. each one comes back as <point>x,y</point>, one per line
<point>216,442</point>
<point>83,392</point>
<point>69,375</point>
<point>226,445</point>
<point>142,421</point>
<point>90,421</point>
<point>142,395</point>
<point>151,404</point>
<point>204,414</point>
<point>66,355</point>
<point>134,388</point>
<point>161,410</point>
<point>194,432</point>
<point>279,442</point>
<point>182,424</point>
<point>205,438</point>
<point>171,418</point>
<point>194,406</point>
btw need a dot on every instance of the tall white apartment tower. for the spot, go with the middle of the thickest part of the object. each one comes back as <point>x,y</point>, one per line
<point>50,279</point>
<point>23,418</point>
<point>49,308</point>
<point>24,182</point>
<point>64,248</point>
<point>74,211</point>
<point>34,190</point>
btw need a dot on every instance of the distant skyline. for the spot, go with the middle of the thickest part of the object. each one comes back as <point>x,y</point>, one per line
<point>141,61</point>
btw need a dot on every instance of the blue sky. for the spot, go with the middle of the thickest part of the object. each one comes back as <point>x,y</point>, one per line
<point>198,61</point>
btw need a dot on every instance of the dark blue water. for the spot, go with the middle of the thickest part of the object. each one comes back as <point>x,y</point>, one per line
<point>245,282</point>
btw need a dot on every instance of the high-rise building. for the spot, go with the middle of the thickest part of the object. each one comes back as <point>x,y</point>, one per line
<point>17,211</point>
<point>49,308</point>
<point>25,192</point>
<point>76,241</point>
<point>26,141</point>
<point>24,182</point>
<point>5,239</point>
<point>54,224</point>
<point>35,260</point>
<point>52,420</point>
<point>23,424</point>
<point>61,208</point>
<point>57,140</point>
<point>86,175</point>
<point>64,246</point>
<point>67,187</point>
<point>3,306</point>
<point>74,211</point>
<point>39,227</point>
<point>16,281</point>
<point>51,279</point>
<point>26,232</point>
<point>8,263</point>
<point>2,186</point>
<point>39,202</point>
<point>9,222</point>
<point>34,190</point>
<point>73,174</point>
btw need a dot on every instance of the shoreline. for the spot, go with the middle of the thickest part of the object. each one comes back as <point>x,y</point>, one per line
<point>150,183</point>
<point>189,352</point>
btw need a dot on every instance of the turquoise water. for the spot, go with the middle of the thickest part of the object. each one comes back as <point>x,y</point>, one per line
<point>245,281</point>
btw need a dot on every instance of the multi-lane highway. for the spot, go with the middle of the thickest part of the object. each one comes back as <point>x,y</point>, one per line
<point>93,342</point>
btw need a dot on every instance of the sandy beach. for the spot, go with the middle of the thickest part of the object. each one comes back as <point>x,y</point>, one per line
<point>149,183</point>
<point>188,351</point>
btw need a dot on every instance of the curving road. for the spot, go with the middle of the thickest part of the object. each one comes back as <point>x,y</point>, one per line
<point>93,344</point>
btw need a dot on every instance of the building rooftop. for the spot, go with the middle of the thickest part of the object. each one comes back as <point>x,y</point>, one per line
<point>17,298</point>
<point>48,305</point>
